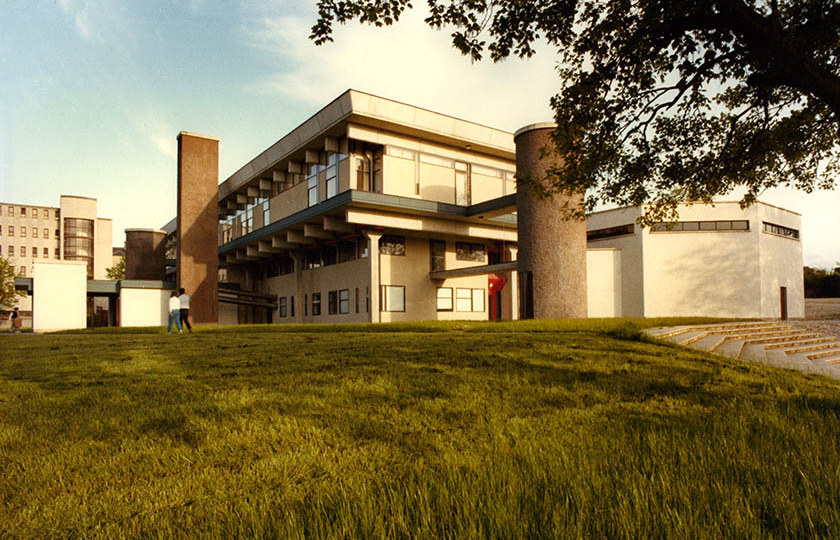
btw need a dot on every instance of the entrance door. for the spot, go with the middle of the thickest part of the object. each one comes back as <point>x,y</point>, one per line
<point>783,299</point>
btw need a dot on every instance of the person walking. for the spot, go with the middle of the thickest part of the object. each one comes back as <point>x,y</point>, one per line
<point>174,313</point>
<point>15,321</point>
<point>185,308</point>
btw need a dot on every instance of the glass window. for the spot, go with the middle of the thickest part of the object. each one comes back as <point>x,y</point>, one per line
<point>313,259</point>
<point>23,251</point>
<point>57,233</point>
<point>11,211</point>
<point>392,245</point>
<point>23,232</point>
<point>393,298</point>
<point>312,187</point>
<point>469,252</point>
<point>316,304</point>
<point>34,232</point>
<point>57,253</point>
<point>34,253</point>
<point>291,306</point>
<point>444,299</point>
<point>35,213</point>
<point>329,254</point>
<point>282,307</point>
<point>478,299</point>
<point>46,233</point>
<point>11,229</point>
<point>620,230</point>
<point>488,171</point>
<point>11,250</point>
<point>46,253</point>
<point>464,300</point>
<point>22,271</point>
<point>22,211</point>
<point>437,160</point>
<point>344,301</point>
<point>332,302</point>
<point>266,214</point>
<point>437,254</point>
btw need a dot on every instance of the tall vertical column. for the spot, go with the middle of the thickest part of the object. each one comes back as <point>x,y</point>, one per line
<point>298,259</point>
<point>198,224</point>
<point>373,256</point>
<point>552,247</point>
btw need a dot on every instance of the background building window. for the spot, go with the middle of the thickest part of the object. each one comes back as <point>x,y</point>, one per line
<point>444,299</point>
<point>469,252</point>
<point>34,232</point>
<point>392,245</point>
<point>780,230</point>
<point>46,233</point>
<point>22,211</point>
<point>23,232</point>
<point>610,232</point>
<point>344,301</point>
<point>11,230</point>
<point>34,213</point>
<point>11,251</point>
<point>22,251</point>
<point>34,252</point>
<point>316,304</point>
<point>78,242</point>
<point>46,253</point>
<point>393,297</point>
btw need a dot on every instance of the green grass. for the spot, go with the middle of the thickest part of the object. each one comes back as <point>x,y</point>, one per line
<point>458,430</point>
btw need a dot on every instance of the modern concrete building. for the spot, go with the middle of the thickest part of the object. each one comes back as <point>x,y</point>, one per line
<point>71,231</point>
<point>374,210</point>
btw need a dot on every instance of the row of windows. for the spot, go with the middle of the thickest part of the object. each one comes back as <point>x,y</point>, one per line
<point>610,232</point>
<point>465,299</point>
<point>720,225</point>
<point>78,228</point>
<point>35,213</point>
<point>10,250</point>
<point>391,244</point>
<point>780,230</point>
<point>10,231</point>
<point>392,298</point>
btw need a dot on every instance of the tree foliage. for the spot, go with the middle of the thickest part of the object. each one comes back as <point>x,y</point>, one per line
<point>117,271</point>
<point>663,101</point>
<point>8,295</point>
<point>821,283</point>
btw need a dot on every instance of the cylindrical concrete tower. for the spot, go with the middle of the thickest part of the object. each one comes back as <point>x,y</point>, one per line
<point>552,248</point>
<point>145,254</point>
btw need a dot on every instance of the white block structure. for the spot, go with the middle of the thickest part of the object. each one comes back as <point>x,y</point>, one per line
<point>143,306</point>
<point>716,261</point>
<point>59,295</point>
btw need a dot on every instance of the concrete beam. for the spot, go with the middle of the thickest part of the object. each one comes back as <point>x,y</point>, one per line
<point>295,167</point>
<point>265,184</point>
<point>337,225</point>
<point>430,225</point>
<point>253,191</point>
<point>278,242</point>
<point>298,238</point>
<point>278,176</point>
<point>241,198</point>
<point>313,157</point>
<point>314,231</point>
<point>330,144</point>
<point>265,246</point>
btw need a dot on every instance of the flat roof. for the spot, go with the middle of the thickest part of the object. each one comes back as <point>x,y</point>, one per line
<point>355,107</point>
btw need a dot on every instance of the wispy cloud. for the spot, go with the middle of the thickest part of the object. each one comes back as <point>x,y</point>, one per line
<point>97,21</point>
<point>408,62</point>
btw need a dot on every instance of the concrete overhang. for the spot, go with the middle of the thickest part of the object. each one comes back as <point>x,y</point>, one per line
<point>484,269</point>
<point>379,201</point>
<point>355,107</point>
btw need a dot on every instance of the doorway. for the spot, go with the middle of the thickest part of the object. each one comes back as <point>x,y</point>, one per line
<point>783,300</point>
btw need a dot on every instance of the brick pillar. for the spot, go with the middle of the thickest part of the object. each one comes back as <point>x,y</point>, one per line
<point>145,254</point>
<point>552,249</point>
<point>198,224</point>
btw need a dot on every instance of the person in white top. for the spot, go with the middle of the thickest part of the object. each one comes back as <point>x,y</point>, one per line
<point>185,308</point>
<point>174,313</point>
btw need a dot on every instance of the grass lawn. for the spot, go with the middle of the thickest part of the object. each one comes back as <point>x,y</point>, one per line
<point>458,430</point>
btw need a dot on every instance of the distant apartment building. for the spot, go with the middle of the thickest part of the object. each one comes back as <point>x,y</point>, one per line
<point>71,231</point>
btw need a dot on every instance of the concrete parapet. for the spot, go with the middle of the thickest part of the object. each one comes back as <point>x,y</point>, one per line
<point>552,247</point>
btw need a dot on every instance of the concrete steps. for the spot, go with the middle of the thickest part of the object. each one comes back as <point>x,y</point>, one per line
<point>766,342</point>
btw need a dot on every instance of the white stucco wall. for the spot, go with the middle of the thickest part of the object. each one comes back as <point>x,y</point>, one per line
<point>144,307</point>
<point>705,273</point>
<point>603,282</point>
<point>780,263</point>
<point>59,298</point>
<point>632,289</point>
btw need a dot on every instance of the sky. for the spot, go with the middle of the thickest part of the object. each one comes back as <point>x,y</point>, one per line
<point>94,92</point>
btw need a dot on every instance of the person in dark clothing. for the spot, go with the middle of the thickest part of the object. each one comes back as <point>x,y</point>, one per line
<point>185,308</point>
